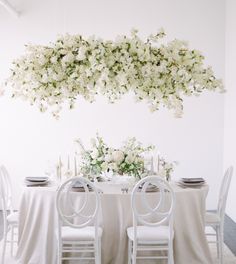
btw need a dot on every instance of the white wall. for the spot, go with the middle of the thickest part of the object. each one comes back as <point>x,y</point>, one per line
<point>230,105</point>
<point>29,139</point>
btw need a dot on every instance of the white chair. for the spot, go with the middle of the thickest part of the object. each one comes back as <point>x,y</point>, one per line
<point>78,231</point>
<point>214,221</point>
<point>10,218</point>
<point>152,228</point>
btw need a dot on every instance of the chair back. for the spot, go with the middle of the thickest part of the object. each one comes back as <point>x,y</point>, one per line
<point>164,199</point>
<point>7,188</point>
<point>72,205</point>
<point>224,190</point>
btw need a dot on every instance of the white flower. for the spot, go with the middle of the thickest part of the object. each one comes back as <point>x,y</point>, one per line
<point>68,58</point>
<point>130,158</point>
<point>117,156</point>
<point>108,158</point>
<point>42,60</point>
<point>45,78</point>
<point>53,60</point>
<point>81,54</point>
<point>93,142</point>
<point>113,166</point>
<point>94,153</point>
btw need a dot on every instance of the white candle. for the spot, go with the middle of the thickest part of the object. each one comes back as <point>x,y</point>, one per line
<point>56,166</point>
<point>60,168</point>
<point>152,168</point>
<point>75,166</point>
<point>68,163</point>
<point>158,163</point>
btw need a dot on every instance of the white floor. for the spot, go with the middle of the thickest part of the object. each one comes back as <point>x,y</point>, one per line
<point>229,258</point>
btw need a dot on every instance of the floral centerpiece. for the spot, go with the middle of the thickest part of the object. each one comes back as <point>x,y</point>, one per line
<point>127,160</point>
<point>157,72</point>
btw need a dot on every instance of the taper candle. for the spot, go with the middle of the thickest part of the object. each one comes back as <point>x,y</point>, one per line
<point>152,168</point>
<point>68,163</point>
<point>60,168</point>
<point>158,163</point>
<point>75,166</point>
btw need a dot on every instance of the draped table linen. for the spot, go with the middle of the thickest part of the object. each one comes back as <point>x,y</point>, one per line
<point>38,226</point>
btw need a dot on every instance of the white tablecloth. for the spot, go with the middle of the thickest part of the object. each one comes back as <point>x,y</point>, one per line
<point>38,227</point>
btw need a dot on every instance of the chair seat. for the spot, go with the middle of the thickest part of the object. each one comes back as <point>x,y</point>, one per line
<point>79,234</point>
<point>212,218</point>
<point>150,234</point>
<point>13,218</point>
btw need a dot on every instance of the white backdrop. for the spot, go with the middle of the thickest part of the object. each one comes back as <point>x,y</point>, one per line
<point>30,140</point>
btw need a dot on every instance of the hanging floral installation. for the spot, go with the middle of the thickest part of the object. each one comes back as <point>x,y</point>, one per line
<point>156,72</point>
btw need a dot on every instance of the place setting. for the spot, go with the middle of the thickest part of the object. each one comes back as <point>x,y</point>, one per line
<point>191,182</point>
<point>37,181</point>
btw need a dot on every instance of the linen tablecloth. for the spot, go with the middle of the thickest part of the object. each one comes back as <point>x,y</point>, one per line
<point>38,227</point>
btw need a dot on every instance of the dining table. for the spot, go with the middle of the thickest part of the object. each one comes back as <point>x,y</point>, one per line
<point>38,223</point>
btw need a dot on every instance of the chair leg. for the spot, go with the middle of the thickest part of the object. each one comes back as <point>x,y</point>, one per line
<point>12,240</point>
<point>170,254</point>
<point>59,252</point>
<point>96,248</point>
<point>221,245</point>
<point>134,252</point>
<point>129,251</point>
<point>218,242</point>
<point>4,246</point>
<point>100,251</point>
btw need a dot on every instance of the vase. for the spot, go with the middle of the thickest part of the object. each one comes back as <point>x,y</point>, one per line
<point>168,177</point>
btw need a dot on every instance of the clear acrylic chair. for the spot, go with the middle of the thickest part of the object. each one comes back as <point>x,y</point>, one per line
<point>10,218</point>
<point>214,221</point>
<point>79,235</point>
<point>152,228</point>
